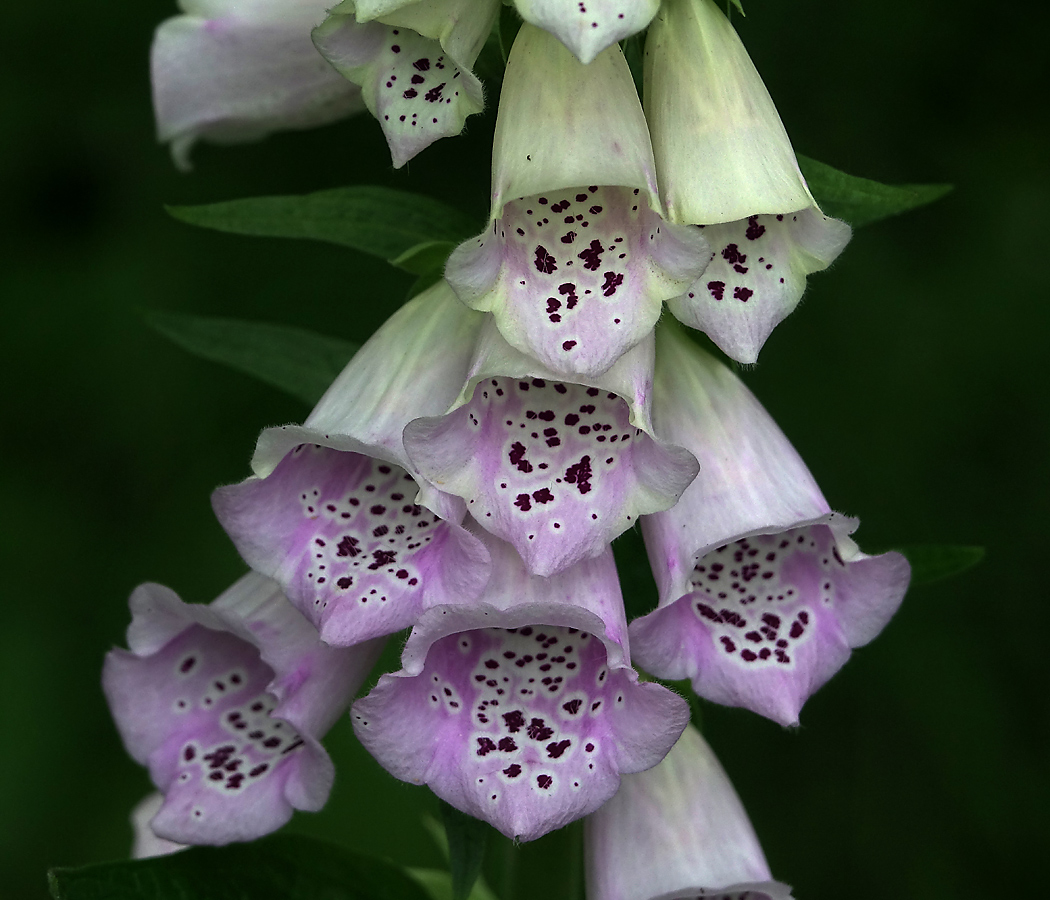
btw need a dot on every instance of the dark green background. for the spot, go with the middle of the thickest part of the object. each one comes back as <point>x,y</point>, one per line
<point>911,379</point>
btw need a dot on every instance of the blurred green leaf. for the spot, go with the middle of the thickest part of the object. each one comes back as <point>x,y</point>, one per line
<point>377,220</point>
<point>738,4</point>
<point>933,562</point>
<point>299,362</point>
<point>425,258</point>
<point>283,867</point>
<point>467,838</point>
<point>438,883</point>
<point>861,201</point>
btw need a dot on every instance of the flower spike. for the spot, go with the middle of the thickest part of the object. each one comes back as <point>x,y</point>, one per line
<point>230,72</point>
<point>226,704</point>
<point>522,709</point>
<point>588,29</point>
<point>413,62</point>
<point>677,832</point>
<point>332,511</point>
<point>762,591</point>
<point>556,468</point>
<point>576,261</point>
<point>725,163</point>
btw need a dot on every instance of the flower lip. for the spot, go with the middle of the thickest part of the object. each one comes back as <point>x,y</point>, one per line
<point>561,495</point>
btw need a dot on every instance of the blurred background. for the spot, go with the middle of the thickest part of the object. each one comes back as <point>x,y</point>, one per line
<point>912,379</point>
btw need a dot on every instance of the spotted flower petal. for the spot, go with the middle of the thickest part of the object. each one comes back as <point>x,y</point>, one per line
<point>677,832</point>
<point>413,63</point>
<point>225,704</point>
<point>577,261</point>
<point>556,468</point>
<point>332,513</point>
<point>522,709</point>
<point>733,171</point>
<point>228,72</point>
<point>762,591</point>
<point>588,28</point>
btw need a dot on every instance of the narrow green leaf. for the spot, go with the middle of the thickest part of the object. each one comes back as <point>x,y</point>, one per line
<point>467,837</point>
<point>373,219</point>
<point>297,361</point>
<point>861,201</point>
<point>932,562</point>
<point>438,883</point>
<point>738,4</point>
<point>283,867</point>
<point>425,258</point>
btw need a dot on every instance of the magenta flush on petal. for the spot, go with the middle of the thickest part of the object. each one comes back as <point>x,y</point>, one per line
<point>332,511</point>
<point>237,72</point>
<point>762,592</point>
<point>343,534</point>
<point>577,261</point>
<point>555,468</point>
<point>522,709</point>
<point>677,832</point>
<point>225,704</point>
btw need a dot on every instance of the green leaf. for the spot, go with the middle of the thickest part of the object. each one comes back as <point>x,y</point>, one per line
<point>283,867</point>
<point>438,883</point>
<point>297,361</point>
<point>861,201</point>
<point>467,837</point>
<point>933,562</point>
<point>738,4</point>
<point>426,258</point>
<point>377,220</point>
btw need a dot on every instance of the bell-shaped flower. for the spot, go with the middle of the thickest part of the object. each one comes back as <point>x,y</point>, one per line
<point>413,62</point>
<point>331,512</point>
<point>232,71</point>
<point>556,468</point>
<point>522,708</point>
<point>226,704</point>
<point>576,261</point>
<point>588,28</point>
<point>677,832</point>
<point>762,591</point>
<point>725,163</point>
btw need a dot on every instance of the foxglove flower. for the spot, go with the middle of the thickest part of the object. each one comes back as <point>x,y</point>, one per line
<point>588,28</point>
<point>226,704</point>
<point>576,261</point>
<point>236,71</point>
<point>413,62</point>
<point>556,468</point>
<point>725,163</point>
<point>332,513</point>
<point>677,832</point>
<point>762,591</point>
<point>522,708</point>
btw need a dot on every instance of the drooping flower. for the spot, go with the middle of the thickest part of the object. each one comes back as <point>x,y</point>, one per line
<point>413,62</point>
<point>556,468</point>
<point>762,591</point>
<point>332,513</point>
<point>226,705</point>
<point>576,261</point>
<point>677,832</point>
<point>236,71</point>
<point>725,163</point>
<point>522,708</point>
<point>588,28</point>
